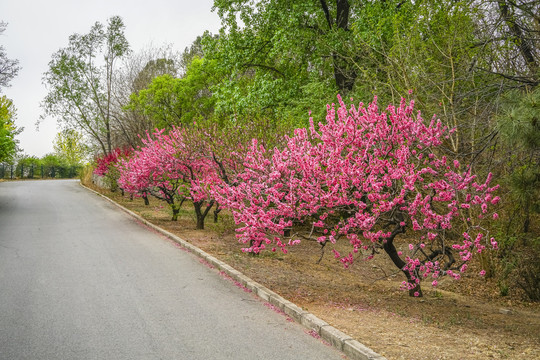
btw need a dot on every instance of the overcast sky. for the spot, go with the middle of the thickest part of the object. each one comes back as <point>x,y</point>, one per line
<point>37,29</point>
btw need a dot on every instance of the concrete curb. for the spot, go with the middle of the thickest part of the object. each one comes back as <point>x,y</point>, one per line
<point>341,341</point>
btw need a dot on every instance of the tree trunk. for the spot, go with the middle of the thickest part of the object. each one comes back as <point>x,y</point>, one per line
<point>200,214</point>
<point>175,210</point>
<point>145,197</point>
<point>391,250</point>
<point>344,77</point>
<point>344,73</point>
<point>200,222</point>
<point>217,210</point>
<point>521,40</point>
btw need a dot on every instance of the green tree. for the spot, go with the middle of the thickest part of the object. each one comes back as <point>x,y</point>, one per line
<point>515,39</point>
<point>9,68</point>
<point>52,160</point>
<point>55,166</point>
<point>136,73</point>
<point>27,166</point>
<point>195,50</point>
<point>458,57</point>
<point>69,146</point>
<point>153,69</point>
<point>437,59</point>
<point>519,125</point>
<point>174,101</point>
<point>80,81</point>
<point>8,130</point>
<point>284,58</point>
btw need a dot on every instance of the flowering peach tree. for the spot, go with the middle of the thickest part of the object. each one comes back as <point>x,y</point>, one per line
<point>171,170</point>
<point>134,178</point>
<point>106,165</point>
<point>370,177</point>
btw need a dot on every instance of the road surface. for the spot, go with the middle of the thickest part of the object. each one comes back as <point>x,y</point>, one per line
<point>80,279</point>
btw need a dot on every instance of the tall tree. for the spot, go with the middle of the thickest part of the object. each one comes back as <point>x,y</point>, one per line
<point>135,74</point>
<point>9,68</point>
<point>195,50</point>
<point>285,58</point>
<point>444,59</point>
<point>520,129</point>
<point>273,25</point>
<point>8,130</point>
<point>172,101</point>
<point>80,83</point>
<point>518,42</point>
<point>69,146</point>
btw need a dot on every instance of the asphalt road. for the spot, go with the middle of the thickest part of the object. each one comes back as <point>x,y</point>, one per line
<point>80,279</point>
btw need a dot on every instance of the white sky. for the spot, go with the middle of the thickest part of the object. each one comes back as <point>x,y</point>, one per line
<point>37,29</point>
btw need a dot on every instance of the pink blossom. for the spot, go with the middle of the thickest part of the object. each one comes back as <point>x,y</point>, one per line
<point>482,272</point>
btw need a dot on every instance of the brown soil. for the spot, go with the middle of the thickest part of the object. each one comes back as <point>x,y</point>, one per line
<point>459,320</point>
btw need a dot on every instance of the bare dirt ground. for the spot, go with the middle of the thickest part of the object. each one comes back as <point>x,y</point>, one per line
<point>459,320</point>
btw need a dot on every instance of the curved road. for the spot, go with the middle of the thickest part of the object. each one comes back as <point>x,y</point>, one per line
<point>80,279</point>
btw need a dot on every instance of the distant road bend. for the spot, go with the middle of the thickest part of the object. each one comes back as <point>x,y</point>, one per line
<point>80,279</point>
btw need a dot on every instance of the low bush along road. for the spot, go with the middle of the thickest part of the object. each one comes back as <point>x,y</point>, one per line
<point>82,280</point>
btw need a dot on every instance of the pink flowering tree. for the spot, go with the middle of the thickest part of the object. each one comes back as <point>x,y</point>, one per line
<point>171,170</point>
<point>134,178</point>
<point>106,166</point>
<point>153,169</point>
<point>369,177</point>
<point>227,148</point>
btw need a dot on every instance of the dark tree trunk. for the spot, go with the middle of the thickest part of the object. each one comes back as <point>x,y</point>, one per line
<point>344,73</point>
<point>217,210</point>
<point>200,218</point>
<point>175,207</point>
<point>391,250</point>
<point>522,41</point>
<point>175,211</point>
<point>145,197</point>
<point>201,215</point>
